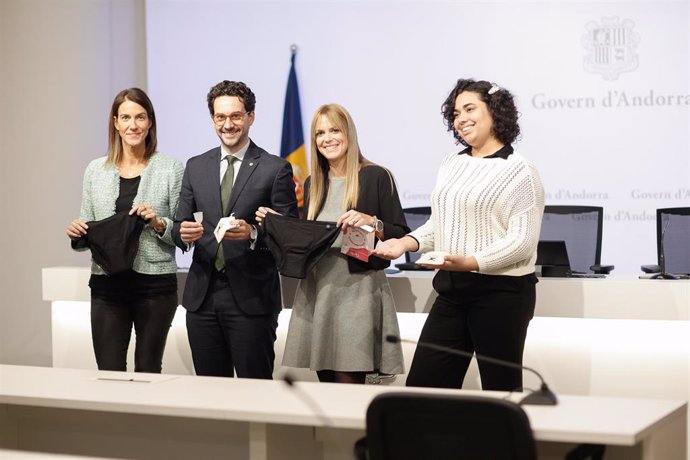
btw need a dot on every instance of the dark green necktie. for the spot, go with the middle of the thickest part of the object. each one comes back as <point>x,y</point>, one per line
<point>225,190</point>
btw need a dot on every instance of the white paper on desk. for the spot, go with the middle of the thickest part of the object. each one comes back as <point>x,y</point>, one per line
<point>432,258</point>
<point>358,242</point>
<point>128,377</point>
<point>225,224</point>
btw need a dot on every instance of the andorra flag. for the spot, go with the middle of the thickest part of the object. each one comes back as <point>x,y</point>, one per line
<point>292,144</point>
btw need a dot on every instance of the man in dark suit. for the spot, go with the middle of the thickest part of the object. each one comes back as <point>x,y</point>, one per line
<point>232,295</point>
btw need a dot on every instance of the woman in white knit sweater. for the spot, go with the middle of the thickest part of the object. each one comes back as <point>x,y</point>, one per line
<point>486,211</point>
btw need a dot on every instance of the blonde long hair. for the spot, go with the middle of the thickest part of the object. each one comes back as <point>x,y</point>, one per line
<point>342,120</point>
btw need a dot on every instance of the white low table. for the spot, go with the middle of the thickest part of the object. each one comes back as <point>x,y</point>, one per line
<point>615,297</point>
<point>163,416</point>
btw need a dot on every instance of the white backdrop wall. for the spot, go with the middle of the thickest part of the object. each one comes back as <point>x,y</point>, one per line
<point>390,63</point>
<point>61,64</point>
<point>612,133</point>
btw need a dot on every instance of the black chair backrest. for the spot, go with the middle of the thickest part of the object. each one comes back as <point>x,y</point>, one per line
<point>673,239</point>
<point>407,426</point>
<point>581,228</point>
<point>553,258</point>
<point>416,217</point>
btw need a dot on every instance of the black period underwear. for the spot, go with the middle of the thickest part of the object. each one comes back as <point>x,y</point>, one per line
<point>114,241</point>
<point>297,244</point>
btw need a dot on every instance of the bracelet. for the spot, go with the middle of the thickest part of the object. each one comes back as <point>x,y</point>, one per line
<point>413,239</point>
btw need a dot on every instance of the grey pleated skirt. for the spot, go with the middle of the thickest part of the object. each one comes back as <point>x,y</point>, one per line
<point>340,321</point>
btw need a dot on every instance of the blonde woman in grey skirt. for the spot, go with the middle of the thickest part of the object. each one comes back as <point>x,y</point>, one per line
<point>344,309</point>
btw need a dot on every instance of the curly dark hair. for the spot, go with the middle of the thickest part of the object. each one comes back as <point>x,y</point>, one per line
<point>232,88</point>
<point>501,107</point>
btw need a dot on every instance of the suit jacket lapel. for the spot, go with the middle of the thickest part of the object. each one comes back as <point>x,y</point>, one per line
<point>249,164</point>
<point>213,173</point>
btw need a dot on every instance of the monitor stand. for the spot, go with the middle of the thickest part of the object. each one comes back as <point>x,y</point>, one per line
<point>555,271</point>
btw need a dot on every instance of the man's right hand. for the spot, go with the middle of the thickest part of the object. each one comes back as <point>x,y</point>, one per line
<point>190,231</point>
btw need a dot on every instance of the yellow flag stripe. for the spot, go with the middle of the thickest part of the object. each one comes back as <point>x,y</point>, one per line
<point>298,160</point>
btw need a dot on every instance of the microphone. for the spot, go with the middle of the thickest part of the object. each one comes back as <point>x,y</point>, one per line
<point>307,400</point>
<point>542,397</point>
<point>662,257</point>
<point>336,436</point>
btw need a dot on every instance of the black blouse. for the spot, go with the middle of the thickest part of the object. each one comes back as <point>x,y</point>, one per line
<point>131,283</point>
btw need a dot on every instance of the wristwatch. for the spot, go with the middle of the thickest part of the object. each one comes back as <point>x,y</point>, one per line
<point>378,225</point>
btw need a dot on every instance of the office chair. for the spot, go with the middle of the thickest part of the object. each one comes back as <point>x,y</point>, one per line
<point>409,426</point>
<point>415,217</point>
<point>581,228</point>
<point>552,257</point>
<point>672,243</point>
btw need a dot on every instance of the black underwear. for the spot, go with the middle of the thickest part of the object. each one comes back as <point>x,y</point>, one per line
<point>114,241</point>
<point>297,244</point>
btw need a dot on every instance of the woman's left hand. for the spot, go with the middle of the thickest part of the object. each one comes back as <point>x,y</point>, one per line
<point>354,218</point>
<point>146,212</point>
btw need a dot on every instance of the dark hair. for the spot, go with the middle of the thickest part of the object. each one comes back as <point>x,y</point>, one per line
<point>501,107</point>
<point>232,88</point>
<point>114,141</point>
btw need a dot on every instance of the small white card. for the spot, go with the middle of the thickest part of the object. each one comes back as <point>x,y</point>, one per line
<point>225,224</point>
<point>358,242</point>
<point>432,258</point>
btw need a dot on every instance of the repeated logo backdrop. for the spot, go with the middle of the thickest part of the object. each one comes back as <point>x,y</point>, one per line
<point>603,89</point>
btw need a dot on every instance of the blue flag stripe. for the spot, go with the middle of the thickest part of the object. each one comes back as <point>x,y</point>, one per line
<point>293,136</point>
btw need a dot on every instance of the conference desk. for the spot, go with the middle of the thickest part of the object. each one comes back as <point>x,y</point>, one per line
<point>614,297</point>
<point>120,415</point>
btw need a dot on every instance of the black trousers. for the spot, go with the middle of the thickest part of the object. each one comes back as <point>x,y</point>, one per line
<point>112,318</point>
<point>225,341</point>
<point>478,313</point>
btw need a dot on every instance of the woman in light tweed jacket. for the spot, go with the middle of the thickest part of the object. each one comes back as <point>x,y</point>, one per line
<point>132,178</point>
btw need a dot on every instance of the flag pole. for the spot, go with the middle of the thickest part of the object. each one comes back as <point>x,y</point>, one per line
<point>292,146</point>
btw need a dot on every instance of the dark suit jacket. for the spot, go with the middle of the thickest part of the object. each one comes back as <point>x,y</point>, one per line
<point>263,180</point>
<point>378,196</point>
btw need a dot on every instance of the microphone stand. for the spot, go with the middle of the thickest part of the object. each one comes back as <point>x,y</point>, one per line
<point>542,397</point>
<point>336,436</point>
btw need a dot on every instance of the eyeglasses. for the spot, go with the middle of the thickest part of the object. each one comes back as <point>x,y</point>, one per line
<point>235,117</point>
